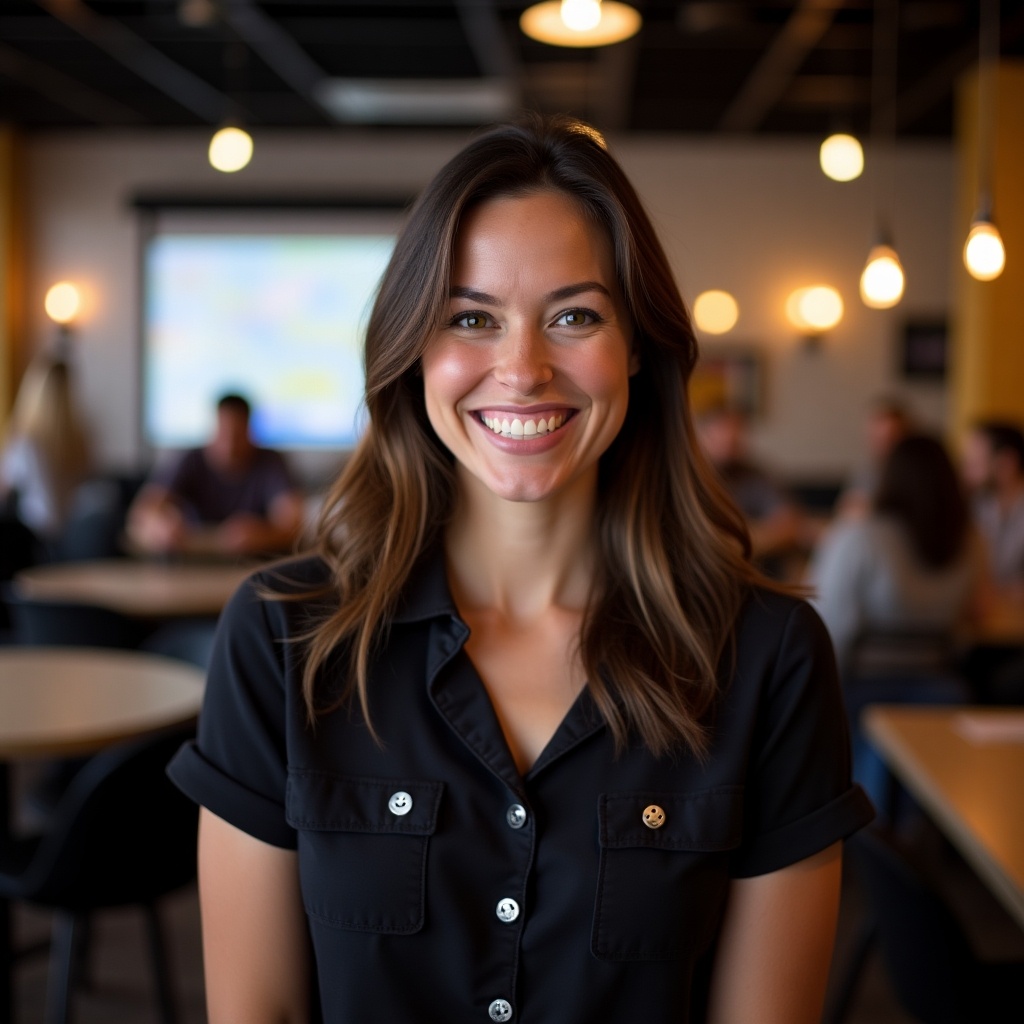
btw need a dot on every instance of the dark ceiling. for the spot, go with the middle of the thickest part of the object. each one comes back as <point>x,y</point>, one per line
<point>699,67</point>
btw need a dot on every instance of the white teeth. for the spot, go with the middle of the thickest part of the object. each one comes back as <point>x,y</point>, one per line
<point>524,428</point>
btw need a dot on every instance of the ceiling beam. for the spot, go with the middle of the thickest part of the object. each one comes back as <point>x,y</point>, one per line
<point>65,91</point>
<point>278,49</point>
<point>145,60</point>
<point>771,76</point>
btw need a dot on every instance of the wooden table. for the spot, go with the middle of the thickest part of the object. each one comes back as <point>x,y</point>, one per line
<point>137,587</point>
<point>965,766</point>
<point>66,701</point>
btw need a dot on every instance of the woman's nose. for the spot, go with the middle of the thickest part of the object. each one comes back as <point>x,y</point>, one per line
<point>523,361</point>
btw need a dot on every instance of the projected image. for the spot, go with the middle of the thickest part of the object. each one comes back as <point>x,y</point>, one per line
<point>278,318</point>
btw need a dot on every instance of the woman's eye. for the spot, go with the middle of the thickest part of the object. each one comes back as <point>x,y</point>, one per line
<point>577,318</point>
<point>472,321</point>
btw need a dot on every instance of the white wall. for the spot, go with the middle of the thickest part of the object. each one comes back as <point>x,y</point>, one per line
<point>756,219</point>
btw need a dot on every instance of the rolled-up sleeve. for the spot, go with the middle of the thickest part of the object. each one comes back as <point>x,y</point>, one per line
<point>237,765</point>
<point>799,794</point>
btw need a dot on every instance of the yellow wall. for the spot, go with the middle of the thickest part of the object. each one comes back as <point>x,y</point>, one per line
<point>11,267</point>
<point>987,323</point>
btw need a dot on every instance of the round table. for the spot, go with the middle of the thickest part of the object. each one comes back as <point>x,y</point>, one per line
<point>67,701</point>
<point>140,588</point>
<point>58,701</point>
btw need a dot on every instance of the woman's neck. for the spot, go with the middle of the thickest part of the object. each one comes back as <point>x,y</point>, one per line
<point>521,558</point>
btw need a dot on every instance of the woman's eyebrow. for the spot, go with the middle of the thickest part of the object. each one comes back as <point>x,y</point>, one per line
<point>567,292</point>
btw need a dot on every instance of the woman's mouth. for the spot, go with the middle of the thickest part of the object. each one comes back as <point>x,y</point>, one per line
<point>522,426</point>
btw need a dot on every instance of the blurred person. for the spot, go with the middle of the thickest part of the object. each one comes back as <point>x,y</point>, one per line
<point>888,421</point>
<point>894,585</point>
<point>993,469</point>
<point>46,455</point>
<point>230,496</point>
<point>774,518</point>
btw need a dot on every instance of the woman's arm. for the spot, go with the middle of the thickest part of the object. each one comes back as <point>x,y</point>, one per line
<point>775,949</point>
<point>255,943</point>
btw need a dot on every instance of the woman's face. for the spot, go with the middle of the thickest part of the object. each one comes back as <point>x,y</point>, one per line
<point>527,383</point>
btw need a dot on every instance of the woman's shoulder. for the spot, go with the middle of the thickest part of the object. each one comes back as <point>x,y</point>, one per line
<point>280,589</point>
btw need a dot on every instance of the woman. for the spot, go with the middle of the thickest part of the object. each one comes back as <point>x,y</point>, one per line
<point>894,585</point>
<point>913,565</point>
<point>528,741</point>
<point>46,454</point>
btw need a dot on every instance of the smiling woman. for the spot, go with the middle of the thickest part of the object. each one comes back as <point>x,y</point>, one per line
<point>528,737</point>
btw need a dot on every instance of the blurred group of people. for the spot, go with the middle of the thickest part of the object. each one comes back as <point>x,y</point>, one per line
<point>918,549</point>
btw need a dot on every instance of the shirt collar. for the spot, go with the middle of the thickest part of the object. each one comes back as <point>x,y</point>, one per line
<point>426,595</point>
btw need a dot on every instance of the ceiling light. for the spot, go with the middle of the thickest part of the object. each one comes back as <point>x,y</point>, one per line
<point>841,157</point>
<point>230,149</point>
<point>984,253</point>
<point>416,101</point>
<point>715,312</point>
<point>580,22</point>
<point>881,282</point>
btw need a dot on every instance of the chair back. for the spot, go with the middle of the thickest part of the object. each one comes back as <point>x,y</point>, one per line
<point>122,833</point>
<point>50,623</point>
<point>926,953</point>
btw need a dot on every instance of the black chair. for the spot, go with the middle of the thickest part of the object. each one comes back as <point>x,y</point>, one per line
<point>121,835</point>
<point>933,969</point>
<point>38,622</point>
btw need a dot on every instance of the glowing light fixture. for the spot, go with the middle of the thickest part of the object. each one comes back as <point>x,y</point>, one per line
<point>230,149</point>
<point>814,309</point>
<point>580,22</point>
<point>62,303</point>
<point>882,281</point>
<point>984,252</point>
<point>841,157</point>
<point>715,312</point>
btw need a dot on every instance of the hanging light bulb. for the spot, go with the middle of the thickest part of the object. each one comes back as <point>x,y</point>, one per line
<point>580,22</point>
<point>841,157</point>
<point>230,149</point>
<point>881,282</point>
<point>715,312</point>
<point>984,253</point>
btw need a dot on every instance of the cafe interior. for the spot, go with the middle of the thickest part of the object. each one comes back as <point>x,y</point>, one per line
<point>198,196</point>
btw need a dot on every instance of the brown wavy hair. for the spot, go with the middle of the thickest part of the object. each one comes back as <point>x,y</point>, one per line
<point>674,553</point>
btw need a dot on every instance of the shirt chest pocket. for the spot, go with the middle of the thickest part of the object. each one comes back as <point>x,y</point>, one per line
<point>363,848</point>
<point>664,871</point>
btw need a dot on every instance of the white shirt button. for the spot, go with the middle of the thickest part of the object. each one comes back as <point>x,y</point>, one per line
<point>516,816</point>
<point>400,803</point>
<point>508,910</point>
<point>499,1010</point>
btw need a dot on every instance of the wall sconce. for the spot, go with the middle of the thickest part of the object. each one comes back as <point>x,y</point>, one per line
<point>841,157</point>
<point>62,304</point>
<point>715,312</point>
<point>580,22</point>
<point>814,310</point>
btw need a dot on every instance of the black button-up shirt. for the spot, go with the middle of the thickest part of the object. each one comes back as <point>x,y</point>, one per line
<point>440,885</point>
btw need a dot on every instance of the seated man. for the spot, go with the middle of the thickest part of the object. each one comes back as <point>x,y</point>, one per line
<point>775,519</point>
<point>229,497</point>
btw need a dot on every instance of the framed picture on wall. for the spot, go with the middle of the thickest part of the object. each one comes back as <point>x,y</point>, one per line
<point>728,376</point>
<point>923,350</point>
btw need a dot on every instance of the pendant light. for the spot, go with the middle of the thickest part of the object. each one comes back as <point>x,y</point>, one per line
<point>984,253</point>
<point>882,280</point>
<point>841,157</point>
<point>231,146</point>
<point>580,22</point>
